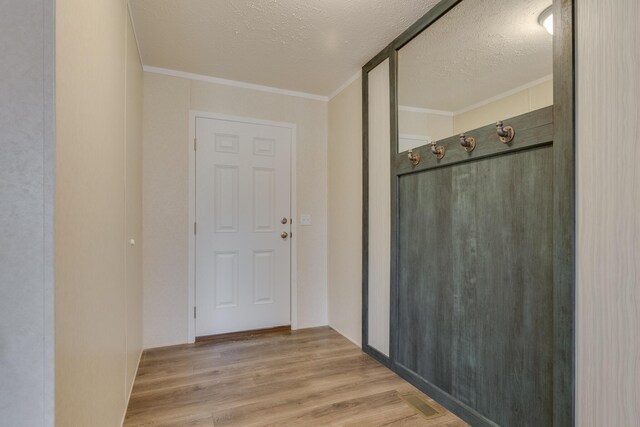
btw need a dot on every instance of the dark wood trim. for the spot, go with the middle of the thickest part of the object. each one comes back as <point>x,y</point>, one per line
<point>564,215</point>
<point>445,399</point>
<point>243,335</point>
<point>429,18</point>
<point>393,207</point>
<point>365,207</point>
<point>376,355</point>
<point>532,129</point>
<point>421,24</point>
<point>378,59</point>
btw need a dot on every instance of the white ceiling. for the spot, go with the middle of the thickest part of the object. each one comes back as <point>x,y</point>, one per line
<point>310,46</point>
<point>478,50</point>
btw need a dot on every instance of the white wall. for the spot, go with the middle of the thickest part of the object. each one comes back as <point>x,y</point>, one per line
<point>26,213</point>
<point>98,209</point>
<point>379,195</point>
<point>344,238</point>
<point>608,220</point>
<point>168,101</point>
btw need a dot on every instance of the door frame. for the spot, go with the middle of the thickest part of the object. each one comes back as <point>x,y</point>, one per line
<point>193,115</point>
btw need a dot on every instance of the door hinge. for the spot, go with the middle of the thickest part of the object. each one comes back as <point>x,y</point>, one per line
<point>194,311</point>
<point>195,228</point>
<point>195,144</point>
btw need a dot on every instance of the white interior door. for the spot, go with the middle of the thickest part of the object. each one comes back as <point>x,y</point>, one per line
<point>243,210</point>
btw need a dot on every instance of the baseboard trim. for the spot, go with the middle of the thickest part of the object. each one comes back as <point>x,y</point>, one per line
<point>234,336</point>
<point>458,408</point>
<point>128,397</point>
<point>346,336</point>
<point>376,355</point>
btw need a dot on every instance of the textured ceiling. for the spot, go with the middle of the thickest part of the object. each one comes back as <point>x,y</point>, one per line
<point>310,46</point>
<point>480,49</point>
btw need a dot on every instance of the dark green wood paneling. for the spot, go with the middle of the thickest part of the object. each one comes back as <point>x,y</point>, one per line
<point>365,210</point>
<point>425,247</point>
<point>564,215</point>
<point>471,385</point>
<point>475,293</point>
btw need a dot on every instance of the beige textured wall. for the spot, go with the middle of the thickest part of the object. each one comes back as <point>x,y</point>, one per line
<point>165,207</point>
<point>26,212</point>
<point>608,202</point>
<point>524,101</point>
<point>96,325</point>
<point>435,126</point>
<point>344,238</point>
<point>133,208</point>
<point>166,226</point>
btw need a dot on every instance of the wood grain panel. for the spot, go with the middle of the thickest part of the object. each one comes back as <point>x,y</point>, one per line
<point>548,129</point>
<point>425,247</point>
<point>476,282</point>
<point>608,201</point>
<point>380,216</point>
<point>564,221</point>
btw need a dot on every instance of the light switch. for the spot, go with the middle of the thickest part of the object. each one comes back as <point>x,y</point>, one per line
<point>305,219</point>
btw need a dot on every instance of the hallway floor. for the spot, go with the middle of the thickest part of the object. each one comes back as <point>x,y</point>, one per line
<point>312,377</point>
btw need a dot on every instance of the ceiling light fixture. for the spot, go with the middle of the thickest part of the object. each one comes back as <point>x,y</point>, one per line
<point>546,19</point>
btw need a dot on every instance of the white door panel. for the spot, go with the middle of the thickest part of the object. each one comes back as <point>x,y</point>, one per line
<point>379,294</point>
<point>243,181</point>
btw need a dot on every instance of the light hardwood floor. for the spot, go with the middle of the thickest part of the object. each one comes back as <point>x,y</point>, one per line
<point>312,377</point>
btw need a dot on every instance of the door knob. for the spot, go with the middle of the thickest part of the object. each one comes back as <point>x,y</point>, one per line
<point>284,234</point>
<point>284,220</point>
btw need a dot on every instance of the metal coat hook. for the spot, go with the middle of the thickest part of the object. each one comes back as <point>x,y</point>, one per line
<point>505,133</point>
<point>437,150</point>
<point>467,142</point>
<point>413,158</point>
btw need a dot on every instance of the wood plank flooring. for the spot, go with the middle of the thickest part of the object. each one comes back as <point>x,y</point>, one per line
<point>311,377</point>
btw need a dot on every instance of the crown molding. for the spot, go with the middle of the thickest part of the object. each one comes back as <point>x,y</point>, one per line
<point>344,85</point>
<point>425,111</point>
<point>233,83</point>
<point>505,94</point>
